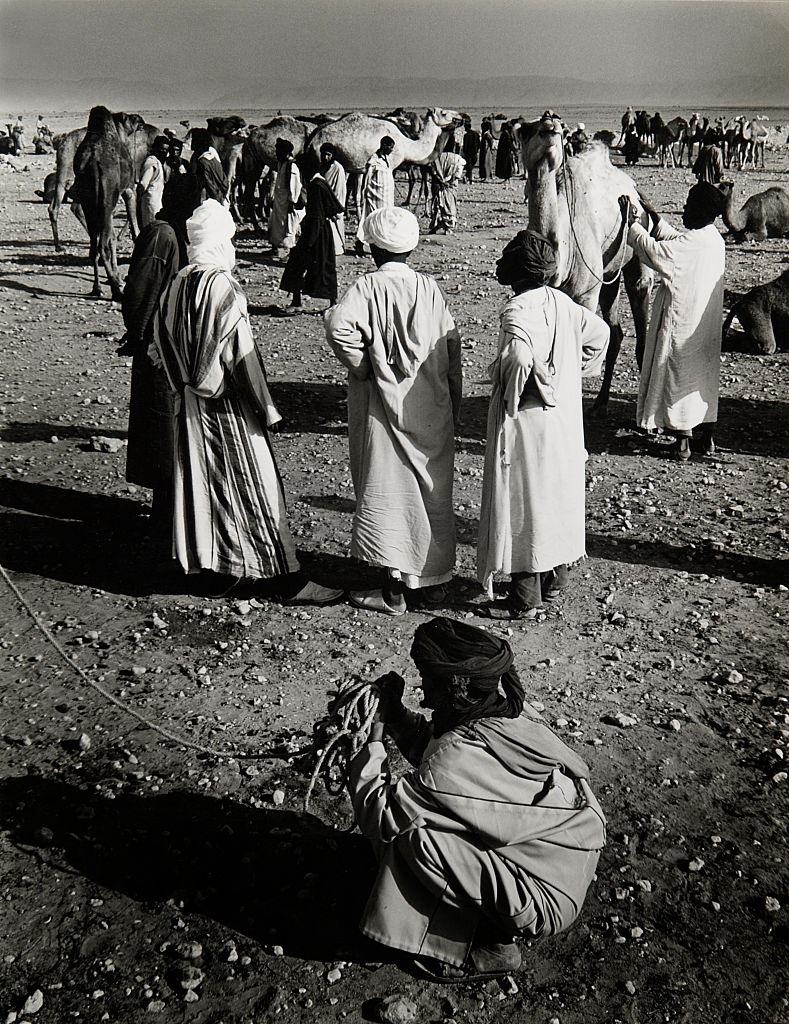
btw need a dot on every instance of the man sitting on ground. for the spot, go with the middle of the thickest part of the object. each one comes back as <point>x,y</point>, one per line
<point>495,834</point>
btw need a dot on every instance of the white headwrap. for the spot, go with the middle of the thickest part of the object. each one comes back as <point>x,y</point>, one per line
<point>581,127</point>
<point>393,229</point>
<point>210,230</point>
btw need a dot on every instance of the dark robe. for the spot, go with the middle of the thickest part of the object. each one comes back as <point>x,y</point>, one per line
<point>311,268</point>
<point>210,180</point>
<point>505,156</point>
<point>632,148</point>
<point>154,262</point>
<point>471,144</point>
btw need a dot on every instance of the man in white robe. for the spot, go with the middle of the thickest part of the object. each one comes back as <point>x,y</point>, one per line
<point>335,177</point>
<point>150,188</point>
<point>680,372</point>
<point>447,171</point>
<point>532,518</point>
<point>393,331</point>
<point>377,190</point>
<point>287,207</point>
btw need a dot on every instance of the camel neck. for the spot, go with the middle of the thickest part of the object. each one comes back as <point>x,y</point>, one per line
<point>543,203</point>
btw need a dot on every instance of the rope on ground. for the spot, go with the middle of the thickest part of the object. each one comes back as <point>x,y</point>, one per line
<point>75,667</point>
<point>350,718</point>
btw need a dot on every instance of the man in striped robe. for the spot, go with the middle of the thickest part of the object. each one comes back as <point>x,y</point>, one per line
<point>377,188</point>
<point>229,509</point>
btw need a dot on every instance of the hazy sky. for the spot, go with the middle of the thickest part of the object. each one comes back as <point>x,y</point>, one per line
<point>300,39</point>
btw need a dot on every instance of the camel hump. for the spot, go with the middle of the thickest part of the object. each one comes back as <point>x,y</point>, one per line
<point>101,121</point>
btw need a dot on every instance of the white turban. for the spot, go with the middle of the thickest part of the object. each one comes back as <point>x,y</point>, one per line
<point>210,230</point>
<point>393,229</point>
<point>580,126</point>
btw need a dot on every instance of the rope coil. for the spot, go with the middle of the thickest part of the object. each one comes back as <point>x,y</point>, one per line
<point>345,729</point>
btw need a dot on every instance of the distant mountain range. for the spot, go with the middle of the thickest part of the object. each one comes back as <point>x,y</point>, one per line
<point>337,93</point>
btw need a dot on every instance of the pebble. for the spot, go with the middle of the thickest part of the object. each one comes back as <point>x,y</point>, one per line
<point>644,885</point>
<point>624,721</point>
<point>630,988</point>
<point>188,950</point>
<point>84,742</point>
<point>228,952</point>
<point>396,1009</point>
<point>509,985</point>
<point>156,1006</point>
<point>188,976</point>
<point>771,905</point>
<point>636,933</point>
<point>278,797</point>
<point>34,1002</point>
<point>333,976</point>
<point>696,865</point>
<point>675,724</point>
<point>715,906</point>
<point>191,996</point>
<point>277,950</point>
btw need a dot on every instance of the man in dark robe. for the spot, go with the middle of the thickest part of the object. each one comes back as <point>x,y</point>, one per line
<point>471,143</point>
<point>494,835</point>
<point>505,154</point>
<point>487,151</point>
<point>312,268</point>
<point>210,180</point>
<point>156,259</point>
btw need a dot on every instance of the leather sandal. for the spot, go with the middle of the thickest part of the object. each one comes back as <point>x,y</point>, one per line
<point>374,601</point>
<point>314,593</point>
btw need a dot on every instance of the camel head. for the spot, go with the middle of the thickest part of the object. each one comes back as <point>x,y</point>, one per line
<point>542,142</point>
<point>232,127</point>
<point>444,118</point>
<point>128,123</point>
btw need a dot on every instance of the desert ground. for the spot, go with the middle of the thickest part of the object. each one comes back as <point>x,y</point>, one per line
<point>132,866</point>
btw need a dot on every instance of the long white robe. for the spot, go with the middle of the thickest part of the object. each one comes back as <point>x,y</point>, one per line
<point>377,189</point>
<point>532,516</point>
<point>151,190</point>
<point>680,374</point>
<point>337,181</point>
<point>393,331</point>
<point>284,220</point>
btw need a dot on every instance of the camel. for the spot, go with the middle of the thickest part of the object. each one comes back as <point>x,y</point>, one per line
<point>764,215</point>
<point>140,138</point>
<point>229,134</point>
<point>103,169</point>
<point>356,137</point>
<point>643,126</point>
<point>666,136</point>
<point>753,136</point>
<point>574,201</point>
<point>258,153</point>
<point>763,313</point>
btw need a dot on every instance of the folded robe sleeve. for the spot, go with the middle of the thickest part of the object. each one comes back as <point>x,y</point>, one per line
<point>657,252</point>
<point>384,809</point>
<point>595,335</point>
<point>349,330</point>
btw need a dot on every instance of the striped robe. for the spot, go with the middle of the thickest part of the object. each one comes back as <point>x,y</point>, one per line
<point>377,190</point>
<point>337,181</point>
<point>229,509</point>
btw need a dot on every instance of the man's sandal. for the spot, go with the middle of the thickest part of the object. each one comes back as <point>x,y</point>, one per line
<point>374,601</point>
<point>482,964</point>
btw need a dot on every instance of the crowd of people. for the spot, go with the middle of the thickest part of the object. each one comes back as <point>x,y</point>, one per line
<point>201,413</point>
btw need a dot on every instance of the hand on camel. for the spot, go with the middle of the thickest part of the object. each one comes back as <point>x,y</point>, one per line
<point>630,211</point>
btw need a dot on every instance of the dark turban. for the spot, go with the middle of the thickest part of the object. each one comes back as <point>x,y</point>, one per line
<point>466,664</point>
<point>284,145</point>
<point>529,258</point>
<point>704,203</point>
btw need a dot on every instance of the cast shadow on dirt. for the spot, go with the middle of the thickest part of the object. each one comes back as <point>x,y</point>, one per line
<point>6,281</point>
<point>104,541</point>
<point>279,877</point>
<point>20,432</point>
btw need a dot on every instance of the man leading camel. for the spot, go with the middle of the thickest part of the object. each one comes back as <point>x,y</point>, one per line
<point>680,373</point>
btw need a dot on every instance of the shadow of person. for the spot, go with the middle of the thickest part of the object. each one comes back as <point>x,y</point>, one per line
<point>278,877</point>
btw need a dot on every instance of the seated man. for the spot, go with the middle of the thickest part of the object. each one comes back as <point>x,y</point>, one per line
<point>495,835</point>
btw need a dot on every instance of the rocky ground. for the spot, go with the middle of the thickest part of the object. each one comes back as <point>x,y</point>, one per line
<point>142,879</point>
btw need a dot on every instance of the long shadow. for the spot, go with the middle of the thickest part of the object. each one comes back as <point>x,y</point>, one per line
<point>54,259</point>
<point>277,876</point>
<point>311,408</point>
<point>19,286</point>
<point>23,433</point>
<point>734,565</point>
<point>102,541</point>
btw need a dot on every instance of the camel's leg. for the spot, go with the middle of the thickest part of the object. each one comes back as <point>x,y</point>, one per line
<point>637,286</point>
<point>411,186</point>
<point>79,213</point>
<point>609,310</point>
<point>131,211</point>
<point>94,258</point>
<point>54,212</point>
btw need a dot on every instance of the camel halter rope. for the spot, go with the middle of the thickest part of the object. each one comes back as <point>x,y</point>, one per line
<point>570,197</point>
<point>350,718</point>
<point>155,727</point>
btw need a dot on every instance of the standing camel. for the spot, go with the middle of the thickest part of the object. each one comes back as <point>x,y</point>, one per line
<point>258,154</point>
<point>666,136</point>
<point>103,169</point>
<point>574,201</point>
<point>140,138</point>
<point>628,118</point>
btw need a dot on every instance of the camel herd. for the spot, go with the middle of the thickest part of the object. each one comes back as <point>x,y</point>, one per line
<point>573,199</point>
<point>742,141</point>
